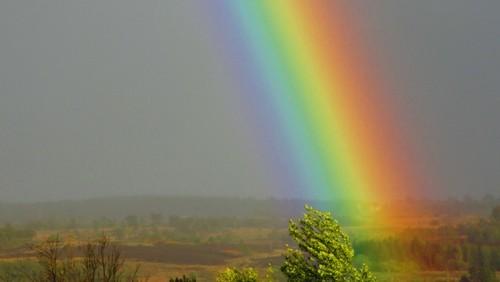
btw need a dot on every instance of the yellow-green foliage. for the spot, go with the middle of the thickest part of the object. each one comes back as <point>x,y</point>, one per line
<point>235,275</point>
<point>324,251</point>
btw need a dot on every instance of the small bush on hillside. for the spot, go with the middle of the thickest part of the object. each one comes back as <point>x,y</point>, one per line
<point>236,275</point>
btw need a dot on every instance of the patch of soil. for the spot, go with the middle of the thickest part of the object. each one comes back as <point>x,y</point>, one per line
<point>181,253</point>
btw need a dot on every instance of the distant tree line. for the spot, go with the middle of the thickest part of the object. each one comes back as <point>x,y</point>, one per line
<point>11,237</point>
<point>59,214</point>
<point>473,247</point>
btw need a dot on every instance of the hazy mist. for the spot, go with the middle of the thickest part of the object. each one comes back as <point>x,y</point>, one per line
<point>126,97</point>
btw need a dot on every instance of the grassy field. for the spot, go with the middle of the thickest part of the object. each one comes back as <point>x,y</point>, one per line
<point>202,245</point>
<point>165,257</point>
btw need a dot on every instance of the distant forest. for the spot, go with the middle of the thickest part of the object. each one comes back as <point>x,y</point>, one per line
<point>117,208</point>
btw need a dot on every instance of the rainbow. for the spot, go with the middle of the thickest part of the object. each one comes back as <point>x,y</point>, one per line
<point>317,102</point>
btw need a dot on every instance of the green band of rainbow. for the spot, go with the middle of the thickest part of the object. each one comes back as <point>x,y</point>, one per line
<point>321,96</point>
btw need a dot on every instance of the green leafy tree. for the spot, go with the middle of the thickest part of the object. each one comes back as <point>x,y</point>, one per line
<point>236,275</point>
<point>324,251</point>
<point>271,274</point>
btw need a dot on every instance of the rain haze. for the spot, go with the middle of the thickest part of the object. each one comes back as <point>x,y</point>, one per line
<point>101,98</point>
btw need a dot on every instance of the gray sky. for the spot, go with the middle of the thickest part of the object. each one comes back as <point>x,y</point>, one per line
<point>128,97</point>
<point>445,56</point>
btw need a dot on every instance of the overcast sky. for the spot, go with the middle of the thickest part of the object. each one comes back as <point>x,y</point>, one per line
<point>128,97</point>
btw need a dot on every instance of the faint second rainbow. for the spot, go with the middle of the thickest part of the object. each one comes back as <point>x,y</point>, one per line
<point>327,125</point>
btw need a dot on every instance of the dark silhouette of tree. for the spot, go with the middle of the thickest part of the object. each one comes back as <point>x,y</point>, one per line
<point>101,262</point>
<point>156,219</point>
<point>480,269</point>
<point>184,278</point>
<point>132,221</point>
<point>495,214</point>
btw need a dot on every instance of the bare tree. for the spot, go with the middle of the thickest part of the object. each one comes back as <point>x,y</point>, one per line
<point>101,261</point>
<point>48,254</point>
